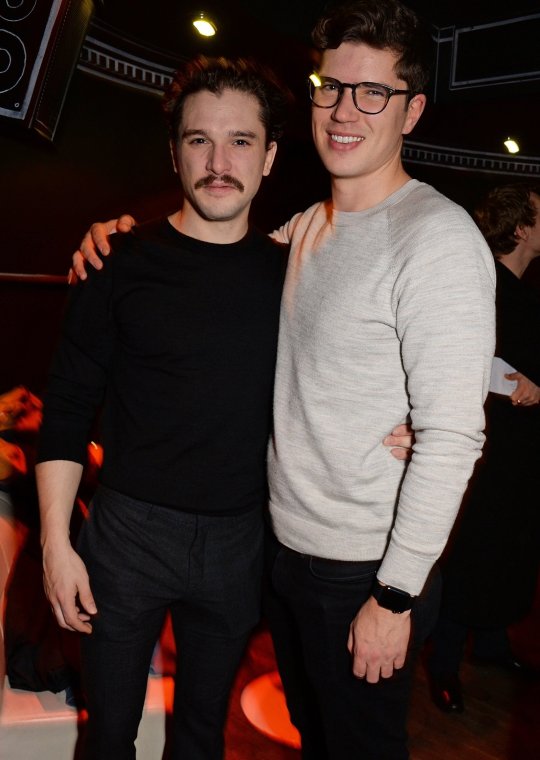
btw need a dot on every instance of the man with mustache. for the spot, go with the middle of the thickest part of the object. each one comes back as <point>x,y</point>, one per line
<point>178,335</point>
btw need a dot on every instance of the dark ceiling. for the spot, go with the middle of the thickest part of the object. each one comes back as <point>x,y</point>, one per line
<point>277,31</point>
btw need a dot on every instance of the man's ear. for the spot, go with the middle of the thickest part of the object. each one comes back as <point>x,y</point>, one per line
<point>172,148</point>
<point>269,159</point>
<point>521,232</point>
<point>415,110</point>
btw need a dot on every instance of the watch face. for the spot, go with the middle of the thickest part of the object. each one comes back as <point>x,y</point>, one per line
<point>393,599</point>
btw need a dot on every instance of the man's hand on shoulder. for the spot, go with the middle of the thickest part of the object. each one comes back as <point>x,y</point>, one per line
<point>378,640</point>
<point>97,239</point>
<point>67,587</point>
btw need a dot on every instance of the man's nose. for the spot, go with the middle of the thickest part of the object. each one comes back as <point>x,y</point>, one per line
<point>218,160</point>
<point>345,109</point>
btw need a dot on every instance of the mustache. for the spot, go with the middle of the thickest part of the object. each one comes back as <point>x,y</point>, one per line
<point>228,179</point>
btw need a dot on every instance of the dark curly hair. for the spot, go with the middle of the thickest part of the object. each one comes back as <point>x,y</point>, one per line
<point>502,210</point>
<point>382,24</point>
<point>219,74</point>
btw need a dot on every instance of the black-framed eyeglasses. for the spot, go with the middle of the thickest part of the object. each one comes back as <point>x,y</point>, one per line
<point>368,97</point>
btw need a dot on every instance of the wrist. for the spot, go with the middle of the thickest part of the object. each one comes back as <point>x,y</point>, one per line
<point>391,598</point>
<point>55,540</point>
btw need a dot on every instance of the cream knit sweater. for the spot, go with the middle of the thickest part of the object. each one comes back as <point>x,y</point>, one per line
<point>387,315</point>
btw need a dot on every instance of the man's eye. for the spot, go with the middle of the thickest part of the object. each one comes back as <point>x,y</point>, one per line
<point>241,142</point>
<point>329,87</point>
<point>375,92</point>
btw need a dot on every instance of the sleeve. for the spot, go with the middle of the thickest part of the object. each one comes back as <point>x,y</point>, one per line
<point>79,370</point>
<point>444,302</point>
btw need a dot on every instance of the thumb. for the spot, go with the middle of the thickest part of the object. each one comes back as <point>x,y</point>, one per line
<point>87,601</point>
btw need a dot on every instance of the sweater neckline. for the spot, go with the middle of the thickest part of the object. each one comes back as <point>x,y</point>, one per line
<point>201,246</point>
<point>351,217</point>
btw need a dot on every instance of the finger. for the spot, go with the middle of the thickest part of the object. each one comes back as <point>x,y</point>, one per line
<point>94,240</point>
<point>398,440</point>
<point>400,430</point>
<point>73,620</point>
<point>79,266</point>
<point>360,667</point>
<point>373,672</point>
<point>125,223</point>
<point>400,453</point>
<point>63,618</point>
<point>350,641</point>
<point>387,669</point>
<point>72,277</point>
<point>99,239</point>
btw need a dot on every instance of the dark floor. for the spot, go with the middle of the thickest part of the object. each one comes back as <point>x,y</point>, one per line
<point>501,720</point>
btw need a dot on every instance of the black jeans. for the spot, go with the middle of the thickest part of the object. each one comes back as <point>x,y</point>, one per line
<point>143,560</point>
<point>310,603</point>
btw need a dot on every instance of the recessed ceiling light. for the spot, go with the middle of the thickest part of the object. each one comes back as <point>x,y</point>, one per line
<point>204,25</point>
<point>511,145</point>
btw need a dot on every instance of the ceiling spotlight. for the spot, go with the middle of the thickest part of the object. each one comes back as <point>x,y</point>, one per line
<point>511,145</point>
<point>204,25</point>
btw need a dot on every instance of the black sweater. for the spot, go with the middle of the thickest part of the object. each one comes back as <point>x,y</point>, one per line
<point>179,338</point>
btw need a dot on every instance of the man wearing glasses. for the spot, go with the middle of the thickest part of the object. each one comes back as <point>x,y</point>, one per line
<point>387,315</point>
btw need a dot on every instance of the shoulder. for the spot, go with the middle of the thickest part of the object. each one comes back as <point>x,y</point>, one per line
<point>435,242</point>
<point>425,222</point>
<point>153,231</point>
<point>425,206</point>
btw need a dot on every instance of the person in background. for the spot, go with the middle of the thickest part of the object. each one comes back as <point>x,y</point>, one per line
<point>39,656</point>
<point>20,419</point>
<point>491,565</point>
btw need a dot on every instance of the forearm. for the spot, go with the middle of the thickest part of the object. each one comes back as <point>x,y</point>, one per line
<point>57,482</point>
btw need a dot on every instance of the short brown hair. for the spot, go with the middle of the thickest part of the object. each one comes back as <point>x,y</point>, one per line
<point>502,210</point>
<point>218,74</point>
<point>382,24</point>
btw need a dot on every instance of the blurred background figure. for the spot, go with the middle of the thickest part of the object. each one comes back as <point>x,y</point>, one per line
<point>490,568</point>
<point>20,418</point>
<point>39,655</point>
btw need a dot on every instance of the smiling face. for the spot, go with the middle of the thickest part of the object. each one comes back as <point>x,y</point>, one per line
<point>362,151</point>
<point>221,156</point>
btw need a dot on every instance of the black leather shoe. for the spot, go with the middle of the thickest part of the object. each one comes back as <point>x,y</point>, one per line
<point>446,693</point>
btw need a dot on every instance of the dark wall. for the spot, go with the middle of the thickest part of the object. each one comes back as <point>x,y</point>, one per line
<point>110,155</point>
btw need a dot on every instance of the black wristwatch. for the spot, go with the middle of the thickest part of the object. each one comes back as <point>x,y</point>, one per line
<point>392,598</point>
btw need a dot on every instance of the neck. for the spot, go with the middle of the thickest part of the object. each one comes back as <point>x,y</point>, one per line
<point>517,261</point>
<point>361,193</point>
<point>189,223</point>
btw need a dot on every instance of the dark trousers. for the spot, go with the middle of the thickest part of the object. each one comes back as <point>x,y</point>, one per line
<point>143,560</point>
<point>310,603</point>
<point>448,646</point>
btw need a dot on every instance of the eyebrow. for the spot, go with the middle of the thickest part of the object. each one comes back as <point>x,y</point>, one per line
<point>233,133</point>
